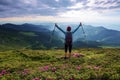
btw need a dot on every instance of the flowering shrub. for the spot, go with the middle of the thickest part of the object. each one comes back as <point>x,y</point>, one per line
<point>77,55</point>
<point>78,67</point>
<point>53,69</point>
<point>36,79</point>
<point>89,67</point>
<point>44,68</point>
<point>96,67</point>
<point>3,72</point>
<point>25,72</point>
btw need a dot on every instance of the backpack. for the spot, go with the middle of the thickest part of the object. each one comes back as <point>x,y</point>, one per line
<point>68,38</point>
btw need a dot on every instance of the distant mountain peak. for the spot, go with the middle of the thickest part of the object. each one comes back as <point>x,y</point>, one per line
<point>26,27</point>
<point>8,24</point>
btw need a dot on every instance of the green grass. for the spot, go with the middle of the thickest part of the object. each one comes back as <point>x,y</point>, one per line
<point>110,46</point>
<point>95,64</point>
<point>28,33</point>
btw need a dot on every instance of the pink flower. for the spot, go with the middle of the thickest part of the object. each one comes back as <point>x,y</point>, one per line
<point>3,72</point>
<point>72,78</point>
<point>53,69</point>
<point>96,67</point>
<point>0,75</point>
<point>25,72</point>
<point>36,79</point>
<point>77,55</point>
<point>89,67</point>
<point>46,68</point>
<point>78,67</point>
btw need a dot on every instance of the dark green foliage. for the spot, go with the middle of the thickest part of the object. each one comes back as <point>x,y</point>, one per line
<point>86,44</point>
<point>18,39</point>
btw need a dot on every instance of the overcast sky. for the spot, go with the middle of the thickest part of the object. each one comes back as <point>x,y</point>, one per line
<point>88,11</point>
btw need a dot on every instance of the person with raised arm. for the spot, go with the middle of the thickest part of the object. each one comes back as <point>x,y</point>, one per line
<point>68,38</point>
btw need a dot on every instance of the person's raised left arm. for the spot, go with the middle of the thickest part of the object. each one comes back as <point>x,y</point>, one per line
<point>77,28</point>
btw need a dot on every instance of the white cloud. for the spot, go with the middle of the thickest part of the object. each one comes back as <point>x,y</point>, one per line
<point>57,0</point>
<point>89,16</point>
<point>84,15</point>
<point>73,0</point>
<point>76,6</point>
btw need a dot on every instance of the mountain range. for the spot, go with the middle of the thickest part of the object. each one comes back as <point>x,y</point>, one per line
<point>102,35</point>
<point>32,36</point>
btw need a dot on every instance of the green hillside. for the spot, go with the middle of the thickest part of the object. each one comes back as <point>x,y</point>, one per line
<point>18,39</point>
<point>85,64</point>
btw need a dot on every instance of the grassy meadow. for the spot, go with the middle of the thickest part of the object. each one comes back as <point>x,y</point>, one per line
<point>85,64</point>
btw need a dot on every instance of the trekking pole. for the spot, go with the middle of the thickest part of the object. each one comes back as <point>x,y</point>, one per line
<point>83,29</point>
<point>52,34</point>
<point>83,32</point>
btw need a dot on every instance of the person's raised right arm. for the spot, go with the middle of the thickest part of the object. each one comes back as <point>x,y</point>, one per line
<point>59,28</point>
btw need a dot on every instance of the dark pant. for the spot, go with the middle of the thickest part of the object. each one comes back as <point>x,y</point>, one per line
<point>68,46</point>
